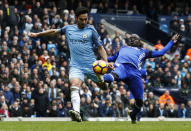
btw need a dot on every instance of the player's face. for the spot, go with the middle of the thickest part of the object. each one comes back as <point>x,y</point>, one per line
<point>82,20</point>
<point>134,42</point>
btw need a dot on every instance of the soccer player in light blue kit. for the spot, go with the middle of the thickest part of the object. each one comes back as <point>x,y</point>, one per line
<point>81,39</point>
<point>128,62</point>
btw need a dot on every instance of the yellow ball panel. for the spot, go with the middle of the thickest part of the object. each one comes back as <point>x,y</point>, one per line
<point>104,70</point>
<point>102,63</point>
<point>95,63</point>
<point>97,69</point>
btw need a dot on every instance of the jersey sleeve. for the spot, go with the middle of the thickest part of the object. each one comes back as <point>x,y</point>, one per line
<point>96,38</point>
<point>152,54</point>
<point>147,53</point>
<point>62,30</point>
<point>164,50</point>
<point>113,58</point>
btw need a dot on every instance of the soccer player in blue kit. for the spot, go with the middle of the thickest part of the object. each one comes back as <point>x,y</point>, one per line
<point>81,39</point>
<point>127,65</point>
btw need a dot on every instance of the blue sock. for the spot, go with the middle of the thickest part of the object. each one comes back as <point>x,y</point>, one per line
<point>108,78</point>
<point>139,116</point>
<point>135,111</point>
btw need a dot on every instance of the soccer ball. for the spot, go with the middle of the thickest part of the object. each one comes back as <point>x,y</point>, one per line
<point>100,67</point>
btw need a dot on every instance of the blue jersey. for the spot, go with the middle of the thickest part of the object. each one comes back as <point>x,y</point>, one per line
<point>132,55</point>
<point>136,56</point>
<point>81,43</point>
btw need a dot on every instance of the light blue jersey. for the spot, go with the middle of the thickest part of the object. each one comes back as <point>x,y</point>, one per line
<point>81,43</point>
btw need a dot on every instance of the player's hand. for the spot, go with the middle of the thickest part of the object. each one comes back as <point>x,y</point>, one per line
<point>33,34</point>
<point>110,65</point>
<point>175,38</point>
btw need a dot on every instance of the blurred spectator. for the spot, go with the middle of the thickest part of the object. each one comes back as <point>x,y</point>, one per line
<point>92,111</point>
<point>158,45</point>
<point>189,108</point>
<point>188,53</point>
<point>172,112</point>
<point>61,112</point>
<point>15,110</point>
<point>67,108</point>
<point>8,95</point>
<point>184,89</point>
<point>161,111</point>
<point>182,111</point>
<point>166,96</point>
<point>53,111</point>
<point>105,109</point>
<point>41,103</point>
<point>28,24</point>
<point>151,98</point>
<point>52,91</point>
<point>151,111</point>
<point>4,110</point>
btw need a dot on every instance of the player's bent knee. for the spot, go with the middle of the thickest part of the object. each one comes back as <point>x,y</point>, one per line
<point>75,82</point>
<point>139,103</point>
<point>132,102</point>
<point>74,88</point>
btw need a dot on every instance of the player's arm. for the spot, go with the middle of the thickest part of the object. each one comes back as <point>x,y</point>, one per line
<point>113,58</point>
<point>102,53</point>
<point>97,41</point>
<point>48,32</point>
<point>165,49</point>
<point>44,33</point>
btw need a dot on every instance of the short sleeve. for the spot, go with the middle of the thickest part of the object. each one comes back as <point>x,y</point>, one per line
<point>96,38</point>
<point>62,30</point>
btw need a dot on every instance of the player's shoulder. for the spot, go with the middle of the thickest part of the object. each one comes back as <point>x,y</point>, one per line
<point>70,26</point>
<point>123,46</point>
<point>91,27</point>
<point>143,49</point>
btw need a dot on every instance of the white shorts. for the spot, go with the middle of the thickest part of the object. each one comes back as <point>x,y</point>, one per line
<point>79,73</point>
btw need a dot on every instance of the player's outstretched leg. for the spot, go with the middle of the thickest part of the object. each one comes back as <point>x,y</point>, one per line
<point>75,98</point>
<point>105,81</point>
<point>101,83</point>
<point>136,109</point>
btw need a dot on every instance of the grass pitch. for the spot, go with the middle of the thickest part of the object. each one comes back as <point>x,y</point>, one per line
<point>95,126</point>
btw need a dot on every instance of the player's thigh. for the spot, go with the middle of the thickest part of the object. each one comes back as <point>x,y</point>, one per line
<point>91,74</point>
<point>136,87</point>
<point>120,71</point>
<point>76,76</point>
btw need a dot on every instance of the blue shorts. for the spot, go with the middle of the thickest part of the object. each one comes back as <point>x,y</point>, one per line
<point>131,96</point>
<point>132,77</point>
<point>79,73</point>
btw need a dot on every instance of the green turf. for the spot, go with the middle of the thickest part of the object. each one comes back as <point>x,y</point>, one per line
<point>95,126</point>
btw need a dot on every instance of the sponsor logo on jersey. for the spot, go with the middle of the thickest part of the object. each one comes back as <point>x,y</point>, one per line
<point>85,36</point>
<point>76,41</point>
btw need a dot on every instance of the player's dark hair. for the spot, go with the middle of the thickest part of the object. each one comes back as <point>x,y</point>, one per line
<point>81,10</point>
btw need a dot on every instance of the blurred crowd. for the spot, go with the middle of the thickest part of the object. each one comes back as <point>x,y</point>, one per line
<point>34,71</point>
